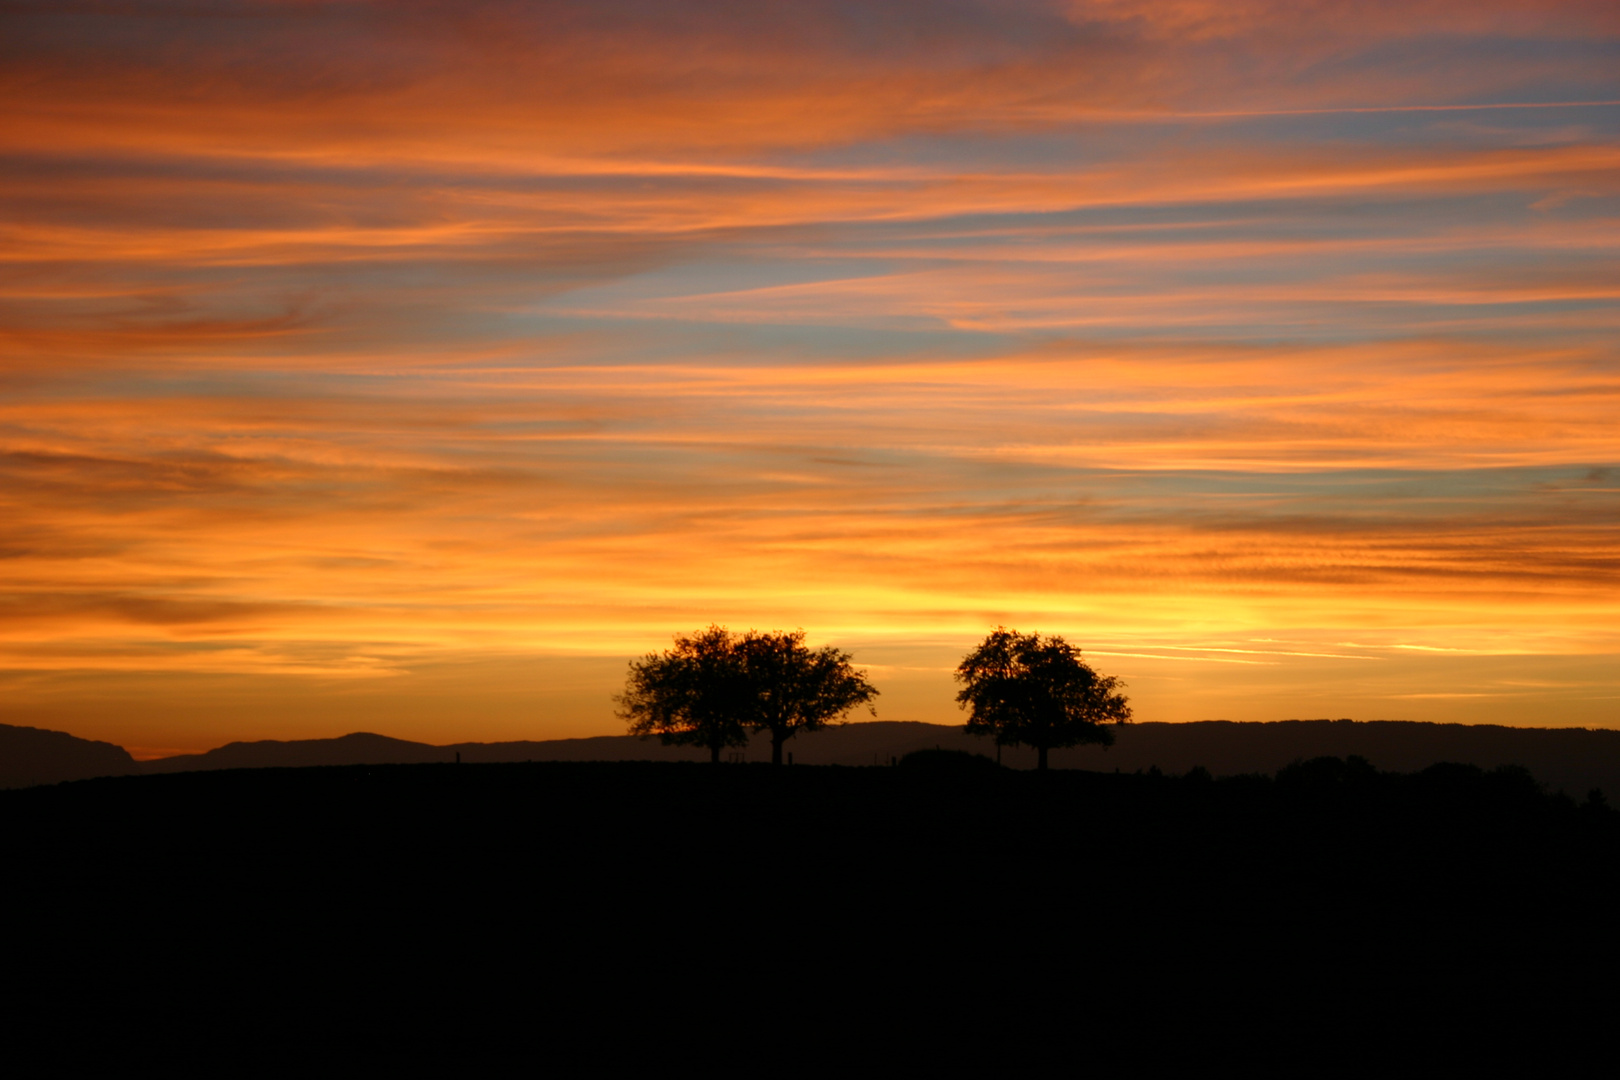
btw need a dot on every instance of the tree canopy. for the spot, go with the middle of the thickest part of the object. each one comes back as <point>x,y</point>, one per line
<point>1027,690</point>
<point>695,694</point>
<point>797,688</point>
<point>715,686</point>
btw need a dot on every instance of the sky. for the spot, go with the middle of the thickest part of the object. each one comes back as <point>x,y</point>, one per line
<point>412,366</point>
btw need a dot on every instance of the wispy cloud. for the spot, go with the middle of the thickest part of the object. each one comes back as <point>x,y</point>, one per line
<point>343,343</point>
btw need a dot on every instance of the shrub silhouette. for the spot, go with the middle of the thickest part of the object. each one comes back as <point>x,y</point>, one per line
<point>1325,772</point>
<point>949,761</point>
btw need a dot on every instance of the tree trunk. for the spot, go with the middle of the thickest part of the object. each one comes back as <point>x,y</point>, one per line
<point>1041,760</point>
<point>776,747</point>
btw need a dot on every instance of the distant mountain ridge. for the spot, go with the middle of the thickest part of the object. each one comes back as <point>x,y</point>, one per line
<point>30,756</point>
<point>1574,759</point>
<point>358,748</point>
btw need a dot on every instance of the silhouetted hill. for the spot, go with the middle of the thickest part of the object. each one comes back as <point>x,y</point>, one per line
<point>359,748</point>
<point>1573,759</point>
<point>1451,885</point>
<point>1181,880</point>
<point>31,756</point>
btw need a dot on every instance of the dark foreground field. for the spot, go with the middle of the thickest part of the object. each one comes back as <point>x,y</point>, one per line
<point>550,887</point>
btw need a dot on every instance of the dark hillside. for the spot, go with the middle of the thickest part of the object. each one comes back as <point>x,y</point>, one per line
<point>617,887</point>
<point>360,748</point>
<point>35,756</point>
<point>1319,824</point>
<point>1574,759</point>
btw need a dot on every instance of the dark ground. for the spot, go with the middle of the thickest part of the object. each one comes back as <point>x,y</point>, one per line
<point>1021,898</point>
<point>1573,759</point>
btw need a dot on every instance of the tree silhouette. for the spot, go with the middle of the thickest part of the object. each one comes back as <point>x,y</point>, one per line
<point>695,694</point>
<point>796,688</point>
<point>1027,690</point>
<point>714,687</point>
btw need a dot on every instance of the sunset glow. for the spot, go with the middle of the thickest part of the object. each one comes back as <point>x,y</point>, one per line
<point>410,366</point>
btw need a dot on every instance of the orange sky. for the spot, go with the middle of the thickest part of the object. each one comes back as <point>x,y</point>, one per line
<point>409,367</point>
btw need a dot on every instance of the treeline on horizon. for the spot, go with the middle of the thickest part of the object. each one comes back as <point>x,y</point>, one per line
<point>1572,759</point>
<point>927,781</point>
<point>1031,695</point>
<point>715,688</point>
<point>953,817</point>
<point>1351,780</point>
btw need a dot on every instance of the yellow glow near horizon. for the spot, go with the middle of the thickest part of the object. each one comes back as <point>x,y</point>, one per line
<point>414,372</point>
